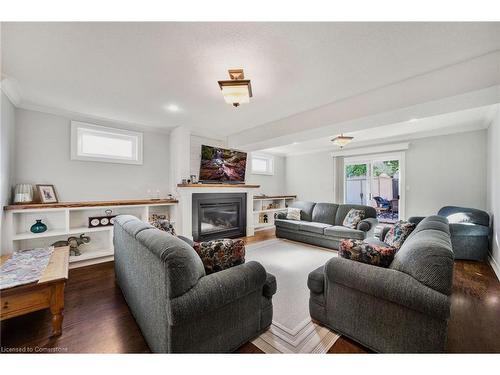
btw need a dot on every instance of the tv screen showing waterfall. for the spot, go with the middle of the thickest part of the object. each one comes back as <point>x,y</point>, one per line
<point>222,165</point>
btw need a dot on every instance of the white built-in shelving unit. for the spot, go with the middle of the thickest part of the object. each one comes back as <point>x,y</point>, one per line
<point>71,219</point>
<point>268,206</point>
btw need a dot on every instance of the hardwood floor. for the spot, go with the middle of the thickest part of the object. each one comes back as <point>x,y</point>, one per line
<point>97,319</point>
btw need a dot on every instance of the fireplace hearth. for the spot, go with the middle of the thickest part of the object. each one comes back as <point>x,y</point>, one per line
<point>219,215</point>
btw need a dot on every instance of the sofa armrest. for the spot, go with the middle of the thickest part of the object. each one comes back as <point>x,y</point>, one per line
<point>368,225</point>
<point>281,215</point>
<point>316,280</point>
<point>216,290</point>
<point>270,286</point>
<point>384,232</point>
<point>388,284</point>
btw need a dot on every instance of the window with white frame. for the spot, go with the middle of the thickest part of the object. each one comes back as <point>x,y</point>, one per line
<point>98,143</point>
<point>262,164</point>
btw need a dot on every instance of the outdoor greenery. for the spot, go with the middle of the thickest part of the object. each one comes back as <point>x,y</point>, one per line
<point>389,167</point>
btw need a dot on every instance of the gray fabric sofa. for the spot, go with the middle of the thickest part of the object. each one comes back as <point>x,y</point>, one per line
<point>321,224</point>
<point>470,231</point>
<point>400,309</point>
<point>179,308</point>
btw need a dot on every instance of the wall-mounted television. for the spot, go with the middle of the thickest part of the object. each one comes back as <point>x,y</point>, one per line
<point>222,165</point>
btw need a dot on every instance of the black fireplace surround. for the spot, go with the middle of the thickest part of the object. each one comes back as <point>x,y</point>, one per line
<point>219,215</point>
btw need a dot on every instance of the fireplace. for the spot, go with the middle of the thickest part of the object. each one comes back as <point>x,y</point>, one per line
<point>219,215</point>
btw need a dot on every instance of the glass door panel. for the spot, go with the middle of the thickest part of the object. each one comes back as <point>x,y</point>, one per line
<point>384,188</point>
<point>357,189</point>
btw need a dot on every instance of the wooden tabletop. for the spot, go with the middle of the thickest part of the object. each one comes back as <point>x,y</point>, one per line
<point>130,202</point>
<point>56,270</point>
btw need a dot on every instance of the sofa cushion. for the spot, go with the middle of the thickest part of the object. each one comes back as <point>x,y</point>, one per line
<point>469,230</point>
<point>293,213</point>
<point>306,209</point>
<point>363,252</point>
<point>399,233</point>
<point>457,215</point>
<point>343,209</point>
<point>343,232</point>
<point>353,218</point>
<point>218,255</point>
<point>287,224</point>
<point>325,213</point>
<point>313,227</point>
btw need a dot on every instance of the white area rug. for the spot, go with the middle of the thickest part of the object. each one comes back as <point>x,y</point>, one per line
<point>292,330</point>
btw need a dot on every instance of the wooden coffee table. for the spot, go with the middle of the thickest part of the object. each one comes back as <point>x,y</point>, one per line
<point>48,292</point>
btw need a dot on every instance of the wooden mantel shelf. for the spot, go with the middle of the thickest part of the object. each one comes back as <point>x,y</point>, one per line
<point>214,186</point>
<point>133,202</point>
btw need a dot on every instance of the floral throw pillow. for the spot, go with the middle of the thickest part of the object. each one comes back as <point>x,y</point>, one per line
<point>367,253</point>
<point>353,218</point>
<point>218,255</point>
<point>293,213</point>
<point>399,233</point>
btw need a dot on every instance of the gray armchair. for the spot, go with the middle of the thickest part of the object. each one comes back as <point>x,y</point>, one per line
<point>179,308</point>
<point>470,231</point>
<point>400,309</point>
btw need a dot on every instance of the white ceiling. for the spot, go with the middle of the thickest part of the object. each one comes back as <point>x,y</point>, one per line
<point>462,121</point>
<point>130,72</point>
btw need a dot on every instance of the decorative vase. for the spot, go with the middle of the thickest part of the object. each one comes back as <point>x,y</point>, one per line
<point>38,227</point>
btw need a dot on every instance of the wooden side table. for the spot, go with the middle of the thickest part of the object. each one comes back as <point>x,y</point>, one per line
<point>48,292</point>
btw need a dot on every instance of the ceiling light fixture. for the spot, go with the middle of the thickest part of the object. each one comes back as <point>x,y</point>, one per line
<point>173,108</point>
<point>342,140</point>
<point>237,90</point>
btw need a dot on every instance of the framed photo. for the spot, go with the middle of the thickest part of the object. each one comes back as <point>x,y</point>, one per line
<point>47,193</point>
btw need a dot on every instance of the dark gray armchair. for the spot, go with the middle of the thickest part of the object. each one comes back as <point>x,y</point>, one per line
<point>179,308</point>
<point>470,231</point>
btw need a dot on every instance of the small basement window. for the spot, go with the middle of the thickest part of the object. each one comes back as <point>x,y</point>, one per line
<point>98,143</point>
<point>262,164</point>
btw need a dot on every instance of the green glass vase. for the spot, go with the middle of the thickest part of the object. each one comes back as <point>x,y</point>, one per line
<point>38,227</point>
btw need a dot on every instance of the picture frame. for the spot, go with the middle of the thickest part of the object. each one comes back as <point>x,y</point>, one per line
<point>47,193</point>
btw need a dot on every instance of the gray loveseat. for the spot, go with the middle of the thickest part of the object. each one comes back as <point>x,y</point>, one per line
<point>321,224</point>
<point>179,308</point>
<point>400,309</point>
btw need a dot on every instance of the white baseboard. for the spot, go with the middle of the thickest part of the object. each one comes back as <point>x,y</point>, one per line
<point>495,266</point>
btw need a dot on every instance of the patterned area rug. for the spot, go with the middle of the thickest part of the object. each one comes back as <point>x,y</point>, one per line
<point>292,330</point>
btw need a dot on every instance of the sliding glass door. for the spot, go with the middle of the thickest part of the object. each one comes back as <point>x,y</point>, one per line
<point>376,182</point>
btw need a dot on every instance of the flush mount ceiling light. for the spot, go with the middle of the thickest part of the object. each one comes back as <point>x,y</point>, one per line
<point>342,140</point>
<point>237,90</point>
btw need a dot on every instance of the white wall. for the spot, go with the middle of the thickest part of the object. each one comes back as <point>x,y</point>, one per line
<point>310,176</point>
<point>270,185</point>
<point>43,156</point>
<point>444,170</point>
<point>494,188</point>
<point>7,133</point>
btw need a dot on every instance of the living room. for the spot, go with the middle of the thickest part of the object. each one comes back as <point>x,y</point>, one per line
<point>250,187</point>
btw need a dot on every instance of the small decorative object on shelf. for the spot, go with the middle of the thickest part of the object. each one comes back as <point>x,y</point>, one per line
<point>47,193</point>
<point>161,222</point>
<point>265,219</point>
<point>23,193</point>
<point>102,221</point>
<point>184,181</point>
<point>194,179</point>
<point>73,243</point>
<point>38,227</point>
